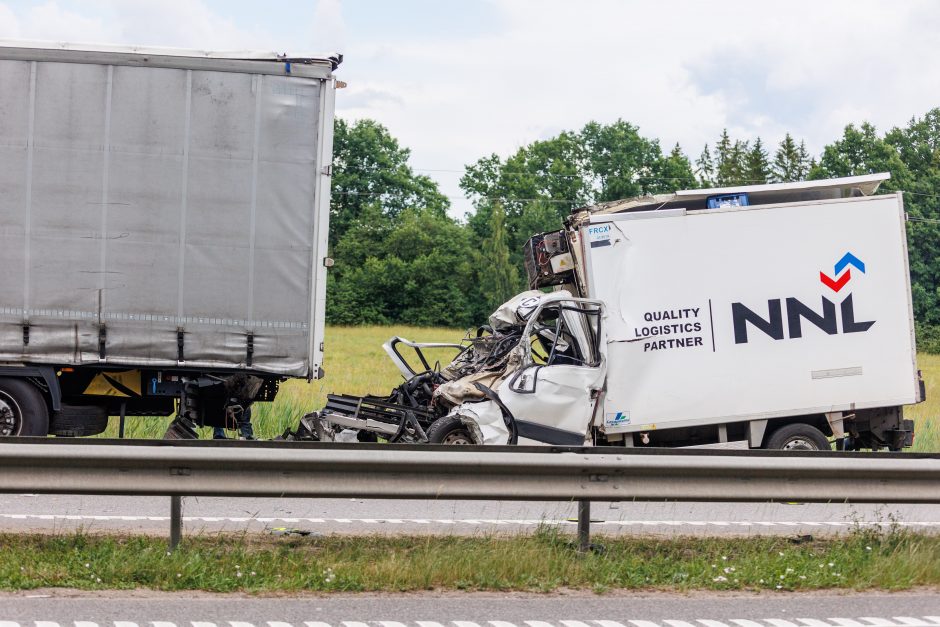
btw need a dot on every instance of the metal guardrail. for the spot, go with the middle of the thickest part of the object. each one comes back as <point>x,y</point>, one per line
<point>495,473</point>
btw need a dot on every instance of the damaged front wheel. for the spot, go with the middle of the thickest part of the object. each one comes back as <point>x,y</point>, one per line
<point>449,430</point>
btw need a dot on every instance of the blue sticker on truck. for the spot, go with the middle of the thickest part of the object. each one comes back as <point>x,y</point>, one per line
<point>616,419</point>
<point>599,235</point>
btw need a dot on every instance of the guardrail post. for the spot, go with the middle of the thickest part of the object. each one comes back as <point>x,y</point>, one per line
<point>584,526</point>
<point>121,423</point>
<point>176,521</point>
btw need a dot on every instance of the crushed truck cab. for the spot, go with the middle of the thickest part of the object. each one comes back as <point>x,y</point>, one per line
<point>779,315</point>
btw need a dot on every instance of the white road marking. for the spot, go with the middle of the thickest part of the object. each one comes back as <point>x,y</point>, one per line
<point>867,621</point>
<point>472,521</point>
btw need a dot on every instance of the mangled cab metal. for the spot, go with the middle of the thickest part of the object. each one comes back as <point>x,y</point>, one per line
<point>540,355</point>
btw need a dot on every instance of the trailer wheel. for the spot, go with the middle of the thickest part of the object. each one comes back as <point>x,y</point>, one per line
<point>23,410</point>
<point>798,437</point>
<point>449,430</point>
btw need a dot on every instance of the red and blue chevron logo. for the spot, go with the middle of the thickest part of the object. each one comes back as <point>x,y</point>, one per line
<point>836,284</point>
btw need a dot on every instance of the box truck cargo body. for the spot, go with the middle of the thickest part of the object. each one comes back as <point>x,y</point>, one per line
<point>162,212</point>
<point>753,312</point>
<point>722,320</point>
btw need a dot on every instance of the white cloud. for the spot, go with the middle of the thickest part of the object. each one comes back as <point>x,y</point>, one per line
<point>329,29</point>
<point>9,24</point>
<point>680,69</point>
<point>173,23</point>
<point>49,21</point>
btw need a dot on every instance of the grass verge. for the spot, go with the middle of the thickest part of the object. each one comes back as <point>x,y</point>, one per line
<point>542,562</point>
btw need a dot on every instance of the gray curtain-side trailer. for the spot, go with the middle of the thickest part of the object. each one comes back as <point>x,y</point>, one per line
<point>163,232</point>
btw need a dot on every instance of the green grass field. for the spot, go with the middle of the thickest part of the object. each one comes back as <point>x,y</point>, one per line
<point>356,364</point>
<point>541,562</point>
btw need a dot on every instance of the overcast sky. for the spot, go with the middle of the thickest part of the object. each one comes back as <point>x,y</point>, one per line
<point>457,80</point>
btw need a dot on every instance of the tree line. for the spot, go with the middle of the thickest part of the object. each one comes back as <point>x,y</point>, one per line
<point>401,259</point>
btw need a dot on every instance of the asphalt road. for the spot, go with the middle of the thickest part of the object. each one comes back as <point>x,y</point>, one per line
<point>475,610</point>
<point>357,516</point>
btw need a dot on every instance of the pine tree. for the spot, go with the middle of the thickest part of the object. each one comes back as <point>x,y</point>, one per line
<point>757,164</point>
<point>786,168</point>
<point>803,162</point>
<point>705,168</point>
<point>500,276</point>
<point>722,158</point>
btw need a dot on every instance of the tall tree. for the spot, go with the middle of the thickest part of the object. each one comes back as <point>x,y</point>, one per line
<point>674,171</point>
<point>598,163</point>
<point>499,276</point>
<point>861,151</point>
<point>918,147</point>
<point>788,163</point>
<point>804,162</point>
<point>371,175</point>
<point>723,158</point>
<point>730,160</point>
<point>705,168</point>
<point>421,271</point>
<point>757,164</point>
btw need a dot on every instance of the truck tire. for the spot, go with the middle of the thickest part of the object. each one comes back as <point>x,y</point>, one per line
<point>449,430</point>
<point>798,436</point>
<point>23,410</point>
<point>78,420</point>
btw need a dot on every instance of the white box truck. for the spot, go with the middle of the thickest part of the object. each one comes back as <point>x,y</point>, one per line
<point>779,315</point>
<point>163,232</point>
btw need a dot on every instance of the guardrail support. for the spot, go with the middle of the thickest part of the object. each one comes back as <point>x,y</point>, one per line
<point>176,521</point>
<point>584,526</point>
<point>121,423</point>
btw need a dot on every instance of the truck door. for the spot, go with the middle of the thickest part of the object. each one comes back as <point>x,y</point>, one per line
<point>552,395</point>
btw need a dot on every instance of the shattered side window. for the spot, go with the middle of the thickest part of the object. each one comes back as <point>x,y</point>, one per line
<point>566,334</point>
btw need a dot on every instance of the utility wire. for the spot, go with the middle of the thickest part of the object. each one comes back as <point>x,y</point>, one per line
<point>500,198</point>
<point>571,202</point>
<point>576,176</point>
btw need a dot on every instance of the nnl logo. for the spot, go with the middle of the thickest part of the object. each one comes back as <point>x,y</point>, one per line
<point>797,311</point>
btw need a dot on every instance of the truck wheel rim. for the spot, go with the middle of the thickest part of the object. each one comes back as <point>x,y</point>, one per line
<point>460,438</point>
<point>10,422</point>
<point>800,444</point>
